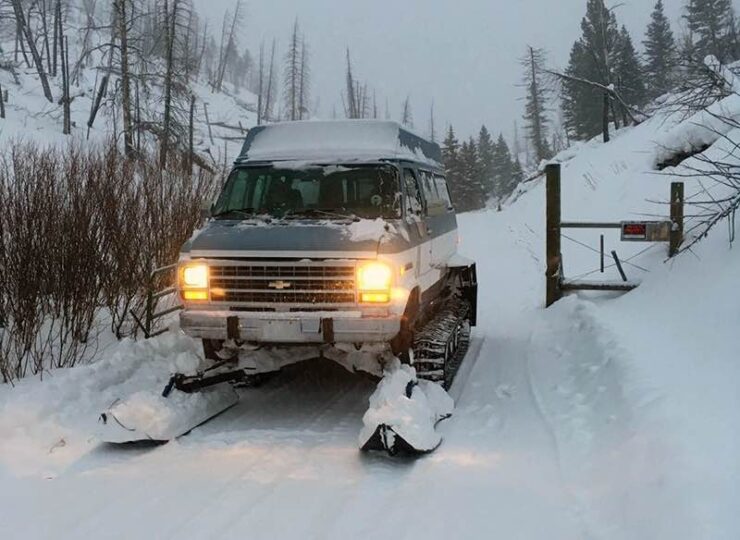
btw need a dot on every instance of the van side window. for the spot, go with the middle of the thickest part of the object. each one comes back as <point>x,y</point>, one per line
<point>444,193</point>
<point>430,190</point>
<point>415,203</point>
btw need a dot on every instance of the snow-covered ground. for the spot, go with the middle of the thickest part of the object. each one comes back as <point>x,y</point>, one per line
<point>30,117</point>
<point>603,417</point>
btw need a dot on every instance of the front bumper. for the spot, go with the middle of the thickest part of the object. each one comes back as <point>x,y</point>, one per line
<point>290,328</point>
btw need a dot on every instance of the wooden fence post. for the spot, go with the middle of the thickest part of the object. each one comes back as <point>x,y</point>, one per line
<point>677,215</point>
<point>554,256</point>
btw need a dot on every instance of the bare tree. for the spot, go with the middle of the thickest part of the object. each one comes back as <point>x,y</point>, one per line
<point>291,78</point>
<point>355,98</point>
<point>432,126</point>
<point>26,31</point>
<point>120,8</point>
<point>171,24</point>
<point>56,36</point>
<point>271,84</point>
<point>66,101</point>
<point>351,106</point>
<point>304,82</point>
<point>45,32</point>
<point>260,86</point>
<point>228,42</point>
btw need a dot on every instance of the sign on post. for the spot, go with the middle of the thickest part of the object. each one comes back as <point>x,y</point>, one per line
<point>646,231</point>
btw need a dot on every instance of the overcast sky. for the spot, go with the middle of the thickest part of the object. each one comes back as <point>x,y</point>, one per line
<point>463,54</point>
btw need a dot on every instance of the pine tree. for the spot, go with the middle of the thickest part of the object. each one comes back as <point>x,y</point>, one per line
<point>535,113</point>
<point>450,149</point>
<point>486,154</point>
<point>503,169</point>
<point>628,73</point>
<point>471,189</point>
<point>712,26</point>
<point>660,54</point>
<point>586,108</point>
<point>407,117</point>
<point>451,162</point>
<point>517,174</point>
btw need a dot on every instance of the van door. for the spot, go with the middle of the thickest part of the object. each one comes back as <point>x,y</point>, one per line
<point>444,223</point>
<point>415,215</point>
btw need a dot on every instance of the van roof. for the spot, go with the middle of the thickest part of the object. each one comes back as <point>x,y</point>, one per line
<point>335,141</point>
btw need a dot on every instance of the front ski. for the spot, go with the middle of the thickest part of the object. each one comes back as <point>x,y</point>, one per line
<point>149,416</point>
<point>404,412</point>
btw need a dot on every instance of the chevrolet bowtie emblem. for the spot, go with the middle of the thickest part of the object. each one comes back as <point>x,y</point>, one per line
<point>280,285</point>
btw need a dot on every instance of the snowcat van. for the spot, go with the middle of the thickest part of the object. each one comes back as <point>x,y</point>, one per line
<point>334,239</point>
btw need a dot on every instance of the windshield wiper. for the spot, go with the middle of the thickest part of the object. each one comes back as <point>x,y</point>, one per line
<point>313,212</point>
<point>243,212</point>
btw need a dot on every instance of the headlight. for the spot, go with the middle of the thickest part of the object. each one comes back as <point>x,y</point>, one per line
<point>374,282</point>
<point>194,282</point>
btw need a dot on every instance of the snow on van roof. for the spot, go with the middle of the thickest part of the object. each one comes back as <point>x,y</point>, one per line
<point>353,140</point>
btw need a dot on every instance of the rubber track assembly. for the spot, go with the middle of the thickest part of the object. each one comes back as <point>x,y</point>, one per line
<point>440,346</point>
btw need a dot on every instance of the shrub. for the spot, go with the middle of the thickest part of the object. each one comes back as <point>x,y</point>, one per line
<point>80,233</point>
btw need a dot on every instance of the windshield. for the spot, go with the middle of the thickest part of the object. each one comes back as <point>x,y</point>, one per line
<point>322,192</point>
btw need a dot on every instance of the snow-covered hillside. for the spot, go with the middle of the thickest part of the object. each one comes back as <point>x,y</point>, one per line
<point>30,117</point>
<point>602,417</point>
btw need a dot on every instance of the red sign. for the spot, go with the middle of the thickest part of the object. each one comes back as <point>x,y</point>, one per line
<point>646,231</point>
<point>634,230</point>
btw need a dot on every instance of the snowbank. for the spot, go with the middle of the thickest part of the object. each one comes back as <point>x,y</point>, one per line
<point>61,412</point>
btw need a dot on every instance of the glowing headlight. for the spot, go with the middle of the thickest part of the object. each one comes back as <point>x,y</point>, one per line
<point>195,276</point>
<point>374,282</point>
<point>194,282</point>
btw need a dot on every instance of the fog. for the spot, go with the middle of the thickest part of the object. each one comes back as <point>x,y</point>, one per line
<point>461,54</point>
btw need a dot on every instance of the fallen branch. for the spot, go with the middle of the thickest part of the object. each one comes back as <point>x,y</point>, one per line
<point>629,109</point>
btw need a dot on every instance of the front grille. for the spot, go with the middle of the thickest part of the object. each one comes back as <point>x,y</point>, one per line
<point>279,284</point>
<point>309,284</point>
<point>292,271</point>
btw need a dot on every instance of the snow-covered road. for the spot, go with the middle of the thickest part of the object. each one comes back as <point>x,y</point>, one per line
<point>284,463</point>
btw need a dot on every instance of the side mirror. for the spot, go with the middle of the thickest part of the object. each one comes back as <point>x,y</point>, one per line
<point>206,209</point>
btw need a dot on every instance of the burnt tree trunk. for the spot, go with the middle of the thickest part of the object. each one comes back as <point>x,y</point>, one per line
<point>191,130</point>
<point>45,28</point>
<point>122,25</point>
<point>2,103</point>
<point>26,31</point>
<point>167,124</point>
<point>19,46</point>
<point>605,117</point>
<point>98,101</point>
<point>67,130</point>
<point>57,26</point>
